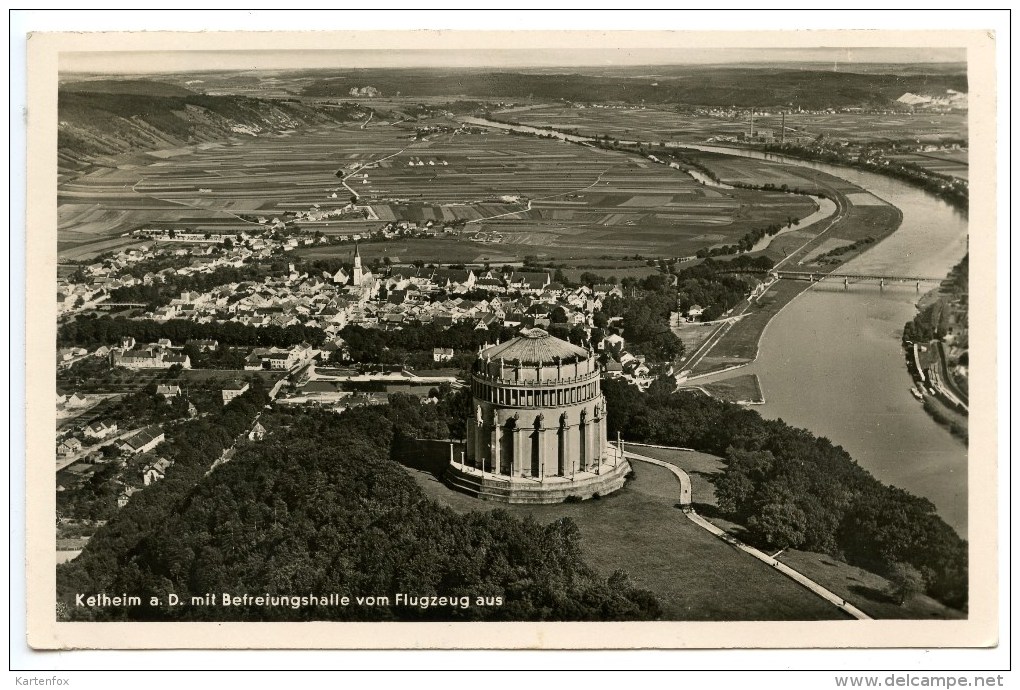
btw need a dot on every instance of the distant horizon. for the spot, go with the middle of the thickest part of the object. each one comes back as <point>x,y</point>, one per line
<point>177,61</point>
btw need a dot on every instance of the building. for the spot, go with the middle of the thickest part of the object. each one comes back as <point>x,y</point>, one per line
<point>538,433</point>
<point>69,447</point>
<point>155,471</point>
<point>144,440</point>
<point>257,433</point>
<point>100,429</point>
<point>168,390</point>
<point>234,389</point>
<point>358,275</point>
<point>442,354</point>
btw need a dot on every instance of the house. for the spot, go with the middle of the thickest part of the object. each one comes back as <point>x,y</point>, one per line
<point>257,433</point>
<point>141,359</point>
<point>181,359</point>
<point>127,343</point>
<point>143,441</point>
<point>124,496</point>
<point>155,471</point>
<point>168,390</point>
<point>695,312</point>
<point>614,369</point>
<point>606,289</point>
<point>233,389</point>
<point>613,342</point>
<point>100,429</point>
<point>69,447</point>
<point>76,400</point>
<point>442,354</point>
<point>203,345</point>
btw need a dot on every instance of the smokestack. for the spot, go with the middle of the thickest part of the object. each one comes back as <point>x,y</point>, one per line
<point>782,130</point>
<point>750,134</point>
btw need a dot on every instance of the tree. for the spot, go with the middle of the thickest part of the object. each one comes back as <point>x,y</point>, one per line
<point>905,582</point>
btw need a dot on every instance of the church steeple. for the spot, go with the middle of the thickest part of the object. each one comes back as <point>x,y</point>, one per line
<point>358,273</point>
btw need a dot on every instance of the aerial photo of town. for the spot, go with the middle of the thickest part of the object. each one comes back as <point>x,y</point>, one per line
<point>672,341</point>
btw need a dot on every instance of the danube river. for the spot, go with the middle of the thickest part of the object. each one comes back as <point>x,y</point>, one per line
<point>831,361</point>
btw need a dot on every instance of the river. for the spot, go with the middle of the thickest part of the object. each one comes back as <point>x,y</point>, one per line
<point>832,362</point>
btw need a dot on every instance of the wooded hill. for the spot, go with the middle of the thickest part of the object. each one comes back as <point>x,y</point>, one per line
<point>319,507</point>
<point>107,118</point>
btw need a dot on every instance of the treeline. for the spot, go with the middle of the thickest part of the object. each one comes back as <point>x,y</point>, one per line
<point>91,332</point>
<point>747,242</point>
<point>645,308</point>
<point>792,489</point>
<point>718,286</point>
<point>319,507</point>
<point>946,187</point>
<point>852,247</point>
<point>160,294</point>
<point>929,322</point>
<point>412,347</point>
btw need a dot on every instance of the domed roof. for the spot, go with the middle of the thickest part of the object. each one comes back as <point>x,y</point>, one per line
<point>534,346</point>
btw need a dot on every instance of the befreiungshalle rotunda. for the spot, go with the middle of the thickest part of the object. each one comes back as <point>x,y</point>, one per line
<point>538,433</point>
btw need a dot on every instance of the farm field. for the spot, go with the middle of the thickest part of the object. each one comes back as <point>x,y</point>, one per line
<point>953,163</point>
<point>627,123</point>
<point>517,195</point>
<point>659,124</point>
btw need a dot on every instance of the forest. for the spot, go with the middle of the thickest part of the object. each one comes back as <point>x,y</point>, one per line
<point>319,507</point>
<point>792,489</point>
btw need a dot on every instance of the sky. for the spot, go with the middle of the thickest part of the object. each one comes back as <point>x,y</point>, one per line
<point>183,60</point>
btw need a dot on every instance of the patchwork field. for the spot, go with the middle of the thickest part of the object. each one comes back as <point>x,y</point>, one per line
<point>654,124</point>
<point>628,123</point>
<point>518,195</point>
<point>953,163</point>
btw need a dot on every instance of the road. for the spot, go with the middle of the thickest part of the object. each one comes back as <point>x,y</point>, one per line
<point>796,576</point>
<point>947,385</point>
<point>542,198</point>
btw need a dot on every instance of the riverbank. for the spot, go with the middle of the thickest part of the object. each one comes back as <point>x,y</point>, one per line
<point>935,345</point>
<point>859,215</point>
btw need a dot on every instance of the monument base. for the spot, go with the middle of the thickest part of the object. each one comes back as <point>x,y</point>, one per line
<point>500,488</point>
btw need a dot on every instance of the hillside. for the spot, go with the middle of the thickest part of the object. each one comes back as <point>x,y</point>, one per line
<point>97,124</point>
<point>319,507</point>
<point>741,87</point>
<point>137,87</point>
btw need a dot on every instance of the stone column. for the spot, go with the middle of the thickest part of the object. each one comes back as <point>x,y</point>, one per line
<point>479,443</point>
<point>517,468</point>
<point>496,439</point>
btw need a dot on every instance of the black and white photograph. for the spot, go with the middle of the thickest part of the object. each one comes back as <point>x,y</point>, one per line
<point>649,328</point>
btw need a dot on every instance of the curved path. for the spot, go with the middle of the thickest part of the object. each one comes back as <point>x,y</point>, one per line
<point>799,578</point>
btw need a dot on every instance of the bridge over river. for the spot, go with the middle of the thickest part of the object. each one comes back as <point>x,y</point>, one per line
<point>849,278</point>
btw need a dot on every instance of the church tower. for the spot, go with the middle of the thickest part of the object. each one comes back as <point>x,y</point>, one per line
<point>359,273</point>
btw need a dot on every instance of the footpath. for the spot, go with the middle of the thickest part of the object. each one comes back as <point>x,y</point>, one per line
<point>796,576</point>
